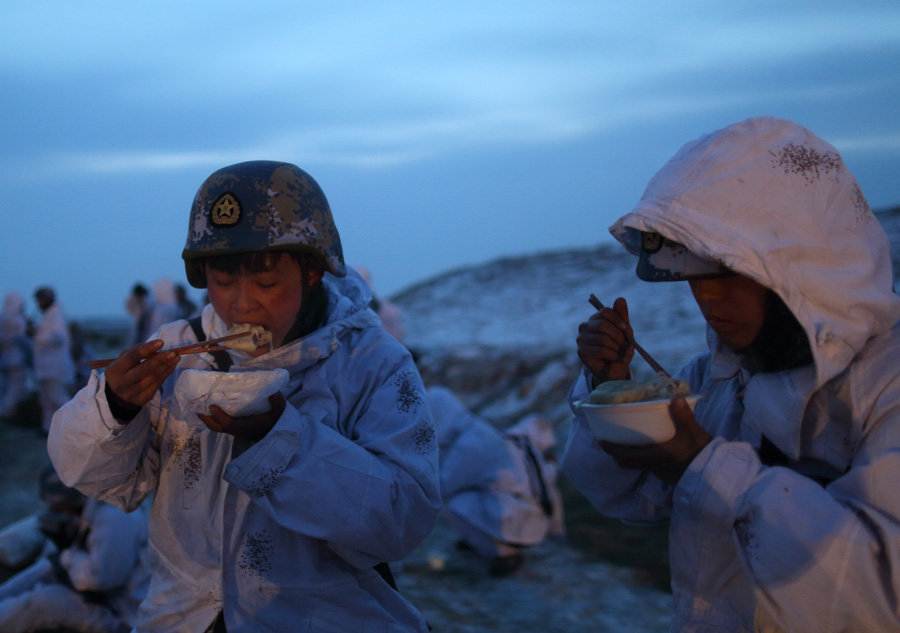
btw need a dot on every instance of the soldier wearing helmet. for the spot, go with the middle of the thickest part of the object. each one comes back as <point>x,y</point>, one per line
<point>287,515</point>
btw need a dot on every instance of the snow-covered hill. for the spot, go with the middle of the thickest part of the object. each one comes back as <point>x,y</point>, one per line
<point>502,335</point>
<point>536,302</point>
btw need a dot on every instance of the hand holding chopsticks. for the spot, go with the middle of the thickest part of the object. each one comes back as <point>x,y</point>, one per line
<point>640,350</point>
<point>193,348</point>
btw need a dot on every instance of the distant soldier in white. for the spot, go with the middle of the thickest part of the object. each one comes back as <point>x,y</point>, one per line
<point>139,307</point>
<point>53,367</point>
<point>186,307</point>
<point>165,308</point>
<point>15,354</point>
<point>391,316</point>
<point>498,487</point>
<point>93,572</point>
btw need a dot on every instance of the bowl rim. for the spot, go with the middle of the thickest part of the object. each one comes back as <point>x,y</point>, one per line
<point>588,405</point>
<point>212,373</point>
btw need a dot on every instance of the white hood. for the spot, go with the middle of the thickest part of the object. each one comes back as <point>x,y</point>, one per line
<point>772,201</point>
<point>13,304</point>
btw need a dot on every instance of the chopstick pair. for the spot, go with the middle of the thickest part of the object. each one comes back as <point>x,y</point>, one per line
<point>211,345</point>
<point>640,350</point>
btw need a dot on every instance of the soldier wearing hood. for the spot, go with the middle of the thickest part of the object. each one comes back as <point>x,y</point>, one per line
<point>779,489</point>
<point>281,520</point>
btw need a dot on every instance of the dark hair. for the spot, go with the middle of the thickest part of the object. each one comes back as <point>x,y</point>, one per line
<point>782,343</point>
<point>45,293</point>
<point>255,262</point>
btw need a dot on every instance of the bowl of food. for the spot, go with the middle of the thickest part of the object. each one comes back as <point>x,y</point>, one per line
<point>631,412</point>
<point>237,393</point>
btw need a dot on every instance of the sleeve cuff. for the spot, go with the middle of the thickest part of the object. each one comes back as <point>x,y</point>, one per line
<point>121,410</point>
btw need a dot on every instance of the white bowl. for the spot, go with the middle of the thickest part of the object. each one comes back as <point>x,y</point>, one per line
<point>631,423</point>
<point>238,393</point>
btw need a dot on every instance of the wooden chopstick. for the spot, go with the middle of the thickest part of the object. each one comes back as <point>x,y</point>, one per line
<point>182,348</point>
<point>200,350</point>
<point>650,361</point>
<point>191,348</point>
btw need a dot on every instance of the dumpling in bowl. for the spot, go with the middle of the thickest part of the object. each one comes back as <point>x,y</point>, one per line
<point>622,391</point>
<point>618,392</point>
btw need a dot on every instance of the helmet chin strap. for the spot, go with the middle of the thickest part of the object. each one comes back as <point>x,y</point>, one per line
<point>304,290</point>
<point>312,308</point>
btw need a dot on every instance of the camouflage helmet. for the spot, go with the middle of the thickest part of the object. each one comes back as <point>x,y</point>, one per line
<point>260,206</point>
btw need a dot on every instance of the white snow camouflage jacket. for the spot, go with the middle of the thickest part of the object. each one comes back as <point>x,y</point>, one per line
<point>52,355</point>
<point>813,545</point>
<point>284,536</point>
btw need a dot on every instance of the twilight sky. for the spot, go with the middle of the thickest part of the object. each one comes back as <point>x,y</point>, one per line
<point>444,134</point>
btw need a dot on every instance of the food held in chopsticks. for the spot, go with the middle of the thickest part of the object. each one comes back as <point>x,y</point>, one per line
<point>254,336</point>
<point>622,391</point>
<point>192,348</point>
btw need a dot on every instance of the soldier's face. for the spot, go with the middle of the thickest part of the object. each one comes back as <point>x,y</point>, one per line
<point>271,298</point>
<point>735,308</point>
